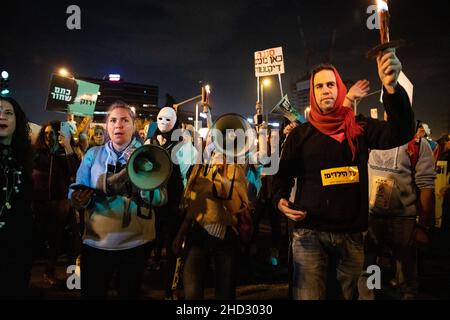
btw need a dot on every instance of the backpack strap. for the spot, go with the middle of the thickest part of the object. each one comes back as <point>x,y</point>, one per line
<point>230,192</point>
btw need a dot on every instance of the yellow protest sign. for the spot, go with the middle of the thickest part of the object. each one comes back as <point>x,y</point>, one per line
<point>440,182</point>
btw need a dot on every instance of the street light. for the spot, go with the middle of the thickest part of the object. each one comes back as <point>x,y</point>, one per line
<point>206,90</point>
<point>264,83</point>
<point>4,79</point>
<point>204,99</point>
<point>63,72</point>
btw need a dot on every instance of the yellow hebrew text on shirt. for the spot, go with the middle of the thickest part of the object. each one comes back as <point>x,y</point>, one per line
<point>342,175</point>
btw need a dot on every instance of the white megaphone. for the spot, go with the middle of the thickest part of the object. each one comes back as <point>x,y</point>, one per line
<point>232,135</point>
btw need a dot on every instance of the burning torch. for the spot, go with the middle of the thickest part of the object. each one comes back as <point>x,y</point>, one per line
<point>386,43</point>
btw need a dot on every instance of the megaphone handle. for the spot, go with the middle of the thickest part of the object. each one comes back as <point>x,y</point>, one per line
<point>151,196</point>
<point>140,203</point>
<point>127,214</point>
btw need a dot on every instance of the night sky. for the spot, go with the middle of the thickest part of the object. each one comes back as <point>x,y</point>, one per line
<point>176,44</point>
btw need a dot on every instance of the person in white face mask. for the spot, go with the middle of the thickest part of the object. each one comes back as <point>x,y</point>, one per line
<point>168,217</point>
<point>167,118</point>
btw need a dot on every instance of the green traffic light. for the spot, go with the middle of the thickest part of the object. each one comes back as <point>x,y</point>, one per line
<point>4,92</point>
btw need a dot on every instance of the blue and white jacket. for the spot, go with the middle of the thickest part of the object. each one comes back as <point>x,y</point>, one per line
<point>111,222</point>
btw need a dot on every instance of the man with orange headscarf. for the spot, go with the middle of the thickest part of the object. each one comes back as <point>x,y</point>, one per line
<point>329,154</point>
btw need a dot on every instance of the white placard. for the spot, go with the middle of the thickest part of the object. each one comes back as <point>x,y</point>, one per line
<point>409,87</point>
<point>269,62</point>
<point>406,84</point>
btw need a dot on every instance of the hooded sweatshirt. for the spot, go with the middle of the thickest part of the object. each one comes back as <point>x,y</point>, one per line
<point>105,216</point>
<point>321,164</point>
<point>393,183</point>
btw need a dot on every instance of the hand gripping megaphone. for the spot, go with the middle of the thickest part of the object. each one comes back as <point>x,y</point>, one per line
<point>149,167</point>
<point>284,108</point>
<point>232,135</point>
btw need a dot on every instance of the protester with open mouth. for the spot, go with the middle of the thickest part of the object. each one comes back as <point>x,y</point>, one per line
<point>119,218</point>
<point>16,222</point>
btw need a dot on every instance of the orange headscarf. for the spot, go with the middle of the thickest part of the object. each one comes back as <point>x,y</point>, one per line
<point>340,123</point>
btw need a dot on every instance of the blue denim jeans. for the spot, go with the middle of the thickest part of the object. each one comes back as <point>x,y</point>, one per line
<point>204,249</point>
<point>311,252</point>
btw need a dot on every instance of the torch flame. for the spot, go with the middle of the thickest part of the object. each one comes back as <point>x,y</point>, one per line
<point>382,6</point>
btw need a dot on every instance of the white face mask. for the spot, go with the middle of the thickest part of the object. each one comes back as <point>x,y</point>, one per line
<point>166,119</point>
<point>426,128</point>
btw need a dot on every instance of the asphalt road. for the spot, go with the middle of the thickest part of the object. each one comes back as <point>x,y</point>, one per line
<point>259,280</point>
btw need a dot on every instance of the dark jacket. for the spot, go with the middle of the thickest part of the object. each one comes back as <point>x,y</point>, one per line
<point>52,174</point>
<point>16,226</point>
<point>307,151</point>
<point>174,185</point>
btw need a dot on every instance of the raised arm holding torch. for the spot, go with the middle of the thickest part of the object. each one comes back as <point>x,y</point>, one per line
<point>385,42</point>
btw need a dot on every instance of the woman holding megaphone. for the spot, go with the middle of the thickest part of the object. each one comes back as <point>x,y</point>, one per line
<point>119,217</point>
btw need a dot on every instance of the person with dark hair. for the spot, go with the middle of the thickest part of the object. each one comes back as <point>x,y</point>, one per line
<point>54,168</point>
<point>16,219</point>
<point>401,210</point>
<point>444,145</point>
<point>423,131</point>
<point>328,156</point>
<point>443,188</point>
<point>119,218</point>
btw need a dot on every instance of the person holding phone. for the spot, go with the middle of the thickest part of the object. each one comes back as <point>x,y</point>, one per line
<point>119,220</point>
<point>54,168</point>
